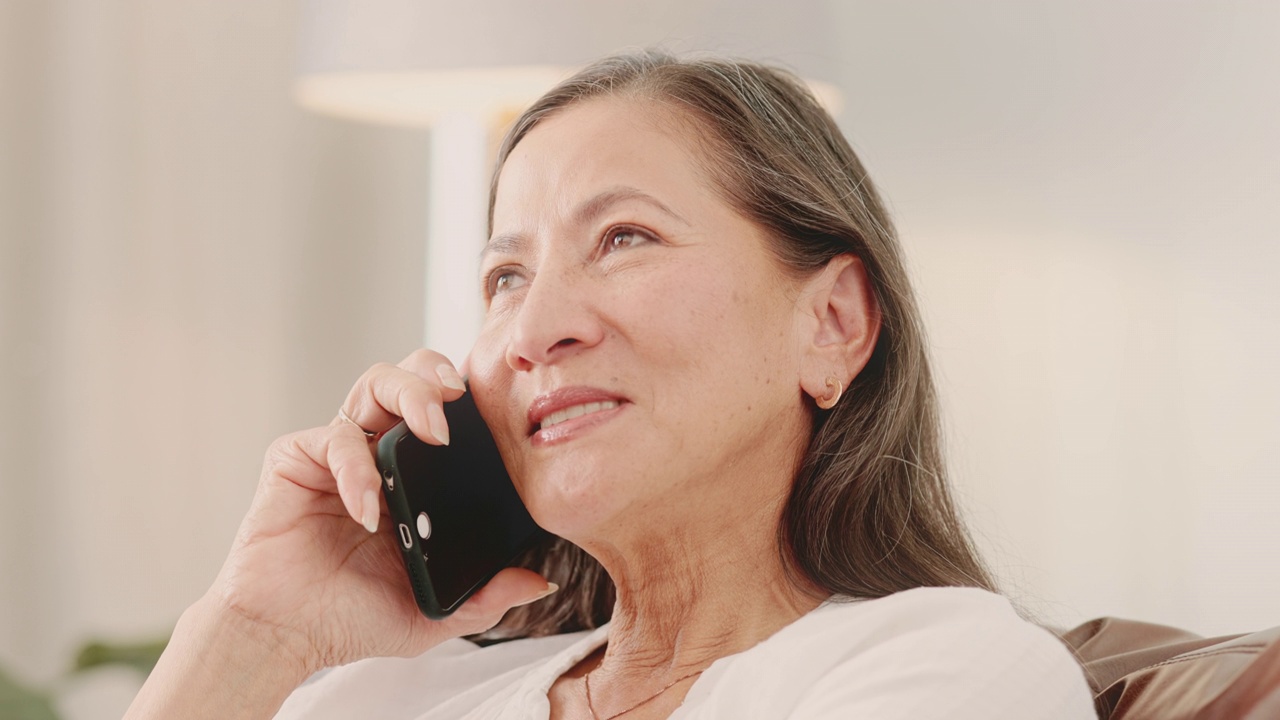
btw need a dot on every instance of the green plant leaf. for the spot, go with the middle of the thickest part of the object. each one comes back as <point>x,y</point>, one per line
<point>19,702</point>
<point>142,656</point>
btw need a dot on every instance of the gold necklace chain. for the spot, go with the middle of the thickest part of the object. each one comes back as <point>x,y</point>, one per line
<point>596,716</point>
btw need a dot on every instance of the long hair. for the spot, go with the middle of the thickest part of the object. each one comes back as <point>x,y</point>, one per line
<point>870,511</point>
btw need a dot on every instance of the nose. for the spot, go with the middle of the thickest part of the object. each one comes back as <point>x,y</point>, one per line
<point>556,320</point>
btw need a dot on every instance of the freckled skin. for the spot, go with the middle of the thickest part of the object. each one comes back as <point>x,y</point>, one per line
<point>694,325</point>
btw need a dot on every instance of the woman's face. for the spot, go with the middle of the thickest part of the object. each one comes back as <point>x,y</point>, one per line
<point>639,359</point>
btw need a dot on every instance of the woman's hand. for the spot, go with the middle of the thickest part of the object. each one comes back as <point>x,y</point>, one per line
<point>314,576</point>
<point>308,561</point>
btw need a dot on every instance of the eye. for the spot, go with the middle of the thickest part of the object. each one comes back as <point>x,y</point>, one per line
<point>502,280</point>
<point>620,238</point>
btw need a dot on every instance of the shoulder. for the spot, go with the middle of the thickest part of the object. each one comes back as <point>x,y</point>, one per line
<point>410,687</point>
<point>939,623</point>
<point>951,653</point>
<point>911,613</point>
<point>969,647</point>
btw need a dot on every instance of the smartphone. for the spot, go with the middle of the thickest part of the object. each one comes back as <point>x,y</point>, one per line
<point>457,517</point>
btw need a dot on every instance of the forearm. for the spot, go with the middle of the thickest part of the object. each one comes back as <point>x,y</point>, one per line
<point>218,666</point>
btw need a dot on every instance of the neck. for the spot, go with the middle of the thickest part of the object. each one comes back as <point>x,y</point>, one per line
<point>684,601</point>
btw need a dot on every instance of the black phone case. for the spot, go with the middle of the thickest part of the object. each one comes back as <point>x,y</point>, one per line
<point>478,524</point>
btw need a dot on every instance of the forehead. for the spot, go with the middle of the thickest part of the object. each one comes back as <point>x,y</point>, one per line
<point>596,144</point>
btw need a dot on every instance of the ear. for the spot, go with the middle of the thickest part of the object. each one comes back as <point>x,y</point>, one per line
<point>842,323</point>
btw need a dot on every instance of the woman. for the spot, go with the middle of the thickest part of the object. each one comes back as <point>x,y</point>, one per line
<point>752,513</point>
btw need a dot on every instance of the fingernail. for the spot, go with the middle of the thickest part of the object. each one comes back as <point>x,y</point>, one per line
<point>439,426</point>
<point>551,588</point>
<point>450,377</point>
<point>370,512</point>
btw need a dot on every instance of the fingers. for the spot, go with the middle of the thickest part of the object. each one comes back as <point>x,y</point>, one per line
<point>338,458</point>
<point>351,464</point>
<point>328,460</point>
<point>427,364</point>
<point>414,390</point>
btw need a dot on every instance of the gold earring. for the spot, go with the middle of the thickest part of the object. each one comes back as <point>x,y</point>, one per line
<point>832,397</point>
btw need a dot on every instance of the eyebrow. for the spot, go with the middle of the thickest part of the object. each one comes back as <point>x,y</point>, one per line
<point>596,206</point>
<point>504,244</point>
<point>512,243</point>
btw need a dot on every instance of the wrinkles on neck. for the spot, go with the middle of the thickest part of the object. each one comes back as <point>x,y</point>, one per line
<point>688,598</point>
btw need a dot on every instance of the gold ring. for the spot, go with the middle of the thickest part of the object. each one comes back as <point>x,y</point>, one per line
<point>342,415</point>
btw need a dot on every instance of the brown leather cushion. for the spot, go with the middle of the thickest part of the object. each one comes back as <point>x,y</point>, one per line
<point>1140,671</point>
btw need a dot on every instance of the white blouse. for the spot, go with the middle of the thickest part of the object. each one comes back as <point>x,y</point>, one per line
<point>954,653</point>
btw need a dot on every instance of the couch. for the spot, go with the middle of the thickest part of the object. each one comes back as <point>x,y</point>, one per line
<point>1142,671</point>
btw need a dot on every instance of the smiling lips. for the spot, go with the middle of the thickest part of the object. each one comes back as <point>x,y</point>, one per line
<point>550,415</point>
<point>570,413</point>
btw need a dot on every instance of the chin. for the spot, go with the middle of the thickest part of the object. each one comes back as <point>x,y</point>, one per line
<point>570,506</point>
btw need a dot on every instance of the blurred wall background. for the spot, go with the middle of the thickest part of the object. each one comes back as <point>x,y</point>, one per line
<point>1089,194</point>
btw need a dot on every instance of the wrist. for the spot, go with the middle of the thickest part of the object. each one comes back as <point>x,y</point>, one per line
<point>230,632</point>
<point>220,664</point>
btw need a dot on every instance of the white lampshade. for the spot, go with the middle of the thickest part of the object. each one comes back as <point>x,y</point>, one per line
<point>410,62</point>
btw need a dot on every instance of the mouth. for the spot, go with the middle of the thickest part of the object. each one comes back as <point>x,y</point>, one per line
<point>575,411</point>
<point>566,411</point>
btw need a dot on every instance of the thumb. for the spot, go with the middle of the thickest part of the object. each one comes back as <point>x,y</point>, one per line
<point>509,588</point>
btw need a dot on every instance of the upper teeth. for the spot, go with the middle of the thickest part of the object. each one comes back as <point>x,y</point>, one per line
<point>570,413</point>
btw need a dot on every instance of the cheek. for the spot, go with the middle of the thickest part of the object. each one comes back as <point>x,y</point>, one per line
<point>679,303</point>
<point>485,362</point>
<point>497,406</point>
<point>490,382</point>
<point>730,320</point>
